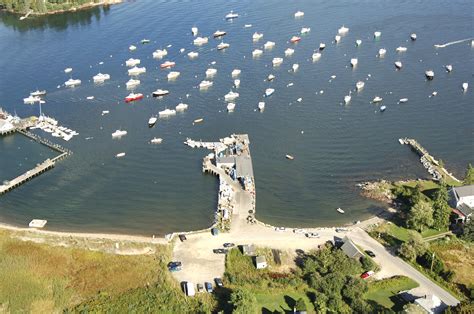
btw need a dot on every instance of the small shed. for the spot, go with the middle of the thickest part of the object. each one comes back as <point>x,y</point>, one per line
<point>351,249</point>
<point>248,250</point>
<point>260,262</point>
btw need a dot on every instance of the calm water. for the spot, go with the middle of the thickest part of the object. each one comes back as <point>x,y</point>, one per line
<point>159,189</point>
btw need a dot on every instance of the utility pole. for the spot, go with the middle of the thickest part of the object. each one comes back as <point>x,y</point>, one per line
<point>432,261</point>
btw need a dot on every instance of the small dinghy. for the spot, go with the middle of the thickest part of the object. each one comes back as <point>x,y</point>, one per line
<point>289,157</point>
<point>347,99</point>
<point>261,106</point>
<point>413,36</point>
<point>398,65</point>
<point>340,210</point>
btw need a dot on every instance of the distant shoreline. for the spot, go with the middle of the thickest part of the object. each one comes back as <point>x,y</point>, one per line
<point>73,9</point>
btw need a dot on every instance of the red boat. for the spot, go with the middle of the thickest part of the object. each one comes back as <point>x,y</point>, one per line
<point>167,65</point>
<point>295,39</point>
<point>133,97</point>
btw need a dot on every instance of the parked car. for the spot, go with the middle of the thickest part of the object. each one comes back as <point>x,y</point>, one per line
<point>220,251</point>
<point>182,237</point>
<point>370,253</point>
<point>174,266</point>
<point>367,274</point>
<point>280,229</point>
<point>188,288</point>
<point>299,231</point>
<point>219,282</point>
<point>312,235</point>
<point>208,286</point>
<point>214,231</point>
<point>229,244</point>
<point>200,288</point>
<point>341,230</point>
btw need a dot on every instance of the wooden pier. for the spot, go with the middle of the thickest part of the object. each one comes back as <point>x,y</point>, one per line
<point>39,169</point>
<point>429,162</point>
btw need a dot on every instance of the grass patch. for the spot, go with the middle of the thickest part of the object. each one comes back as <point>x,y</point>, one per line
<point>385,291</point>
<point>271,302</point>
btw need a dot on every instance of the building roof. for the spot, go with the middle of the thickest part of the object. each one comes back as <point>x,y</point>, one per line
<point>225,160</point>
<point>429,303</point>
<point>464,191</point>
<point>260,259</point>
<point>248,249</point>
<point>244,166</point>
<point>5,125</point>
<point>351,249</point>
<point>465,210</point>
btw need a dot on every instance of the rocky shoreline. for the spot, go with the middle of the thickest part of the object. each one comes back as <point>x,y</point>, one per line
<point>73,9</point>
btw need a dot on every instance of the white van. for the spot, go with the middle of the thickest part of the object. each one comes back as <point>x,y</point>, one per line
<point>189,289</point>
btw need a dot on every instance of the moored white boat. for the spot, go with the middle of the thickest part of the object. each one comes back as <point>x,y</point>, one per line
<point>136,71</point>
<point>181,107</point>
<point>223,46</point>
<point>167,112</point>
<point>316,56</point>
<point>413,36</point>
<point>289,52</point>
<point>120,155</point>
<point>199,41</point>
<point>72,82</point>
<point>269,45</point>
<point>160,53</point>
<point>132,62</point>
<point>354,62</point>
<point>270,77</point>
<point>205,84</point>
<point>211,72</point>
<point>132,48</point>
<point>173,75</point>
<point>382,52</point>
<point>322,46</point>
<point>465,86</point>
<point>449,67</point>
<point>237,83</point>
<point>31,99</point>
<point>167,64</point>
<point>337,39</point>
<point>358,42</point>
<point>230,96</point>
<point>119,133</point>
<point>343,30</point>
<point>133,97</point>
<point>152,121</point>
<point>340,210</point>
<point>194,30</point>
<point>305,30</point>
<point>257,36</point>
<point>261,106</point>
<point>347,99</point>
<point>295,67</point>
<point>398,64</point>
<point>132,83</point>
<point>67,70</point>
<point>295,39</point>
<point>269,92</point>
<point>256,53</point>
<point>218,34</point>
<point>377,99</point>
<point>403,100</point>
<point>39,93</point>
<point>429,74</point>
<point>401,49</point>
<point>277,61</point>
<point>193,54</point>
<point>230,107</point>
<point>289,157</point>
<point>299,14</point>
<point>383,108</point>
<point>231,15</point>
<point>360,85</point>
<point>156,140</point>
<point>377,34</point>
<point>160,93</point>
<point>236,72</point>
<point>101,77</point>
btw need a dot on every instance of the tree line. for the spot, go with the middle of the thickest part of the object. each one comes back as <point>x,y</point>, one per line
<point>41,6</point>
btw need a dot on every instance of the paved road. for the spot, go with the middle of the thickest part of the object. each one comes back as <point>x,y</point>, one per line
<point>392,265</point>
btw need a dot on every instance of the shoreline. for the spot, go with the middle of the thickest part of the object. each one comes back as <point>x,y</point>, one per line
<point>85,6</point>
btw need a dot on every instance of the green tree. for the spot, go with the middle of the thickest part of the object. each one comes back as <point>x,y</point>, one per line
<point>416,195</point>
<point>414,247</point>
<point>244,302</point>
<point>300,305</point>
<point>441,211</point>
<point>468,231</point>
<point>469,177</point>
<point>420,216</point>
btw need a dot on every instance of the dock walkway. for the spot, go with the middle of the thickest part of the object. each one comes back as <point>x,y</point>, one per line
<point>39,169</point>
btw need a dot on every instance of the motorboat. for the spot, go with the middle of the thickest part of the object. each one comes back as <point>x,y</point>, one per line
<point>38,93</point>
<point>132,62</point>
<point>133,97</point>
<point>72,82</point>
<point>236,72</point>
<point>152,121</point>
<point>236,83</point>
<point>289,52</point>
<point>398,64</point>
<point>343,30</point>
<point>295,67</point>
<point>99,78</point>
<point>194,30</point>
<point>223,46</point>
<point>181,107</point>
<point>270,77</point>
<point>295,39</point>
<point>173,75</point>
<point>261,106</point>
<point>218,34</point>
<point>401,49</point>
<point>156,140</point>
<point>256,53</point>
<point>90,97</point>
<point>31,99</point>
<point>305,30</point>
<point>347,99</point>
<point>119,133</point>
<point>403,100</point>
<point>67,70</point>
<point>277,61</point>
<point>193,54</point>
<point>299,14</point>
<point>382,108</point>
<point>413,36</point>
<point>205,84</point>
<point>289,157</point>
<point>449,67</point>
<point>269,45</point>
<point>160,93</point>
<point>199,41</point>
<point>360,85</point>
<point>104,112</point>
<point>377,34</point>
<point>230,107</point>
<point>132,48</point>
<point>136,71</point>
<point>167,112</point>
<point>377,99</point>
<point>429,74</point>
<point>465,86</point>
<point>316,56</point>
<point>145,41</point>
<point>120,155</point>
<point>167,64</point>
<point>160,53</point>
<point>199,120</point>
<point>382,52</point>
<point>358,42</point>
<point>132,83</point>
<point>247,25</point>
<point>269,92</point>
<point>340,210</point>
<point>211,72</point>
<point>337,39</point>
<point>230,96</point>
<point>231,15</point>
<point>182,50</point>
<point>257,36</point>
<point>354,62</point>
<point>322,46</point>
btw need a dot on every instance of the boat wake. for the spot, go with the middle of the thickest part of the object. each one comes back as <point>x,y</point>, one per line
<point>452,43</point>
